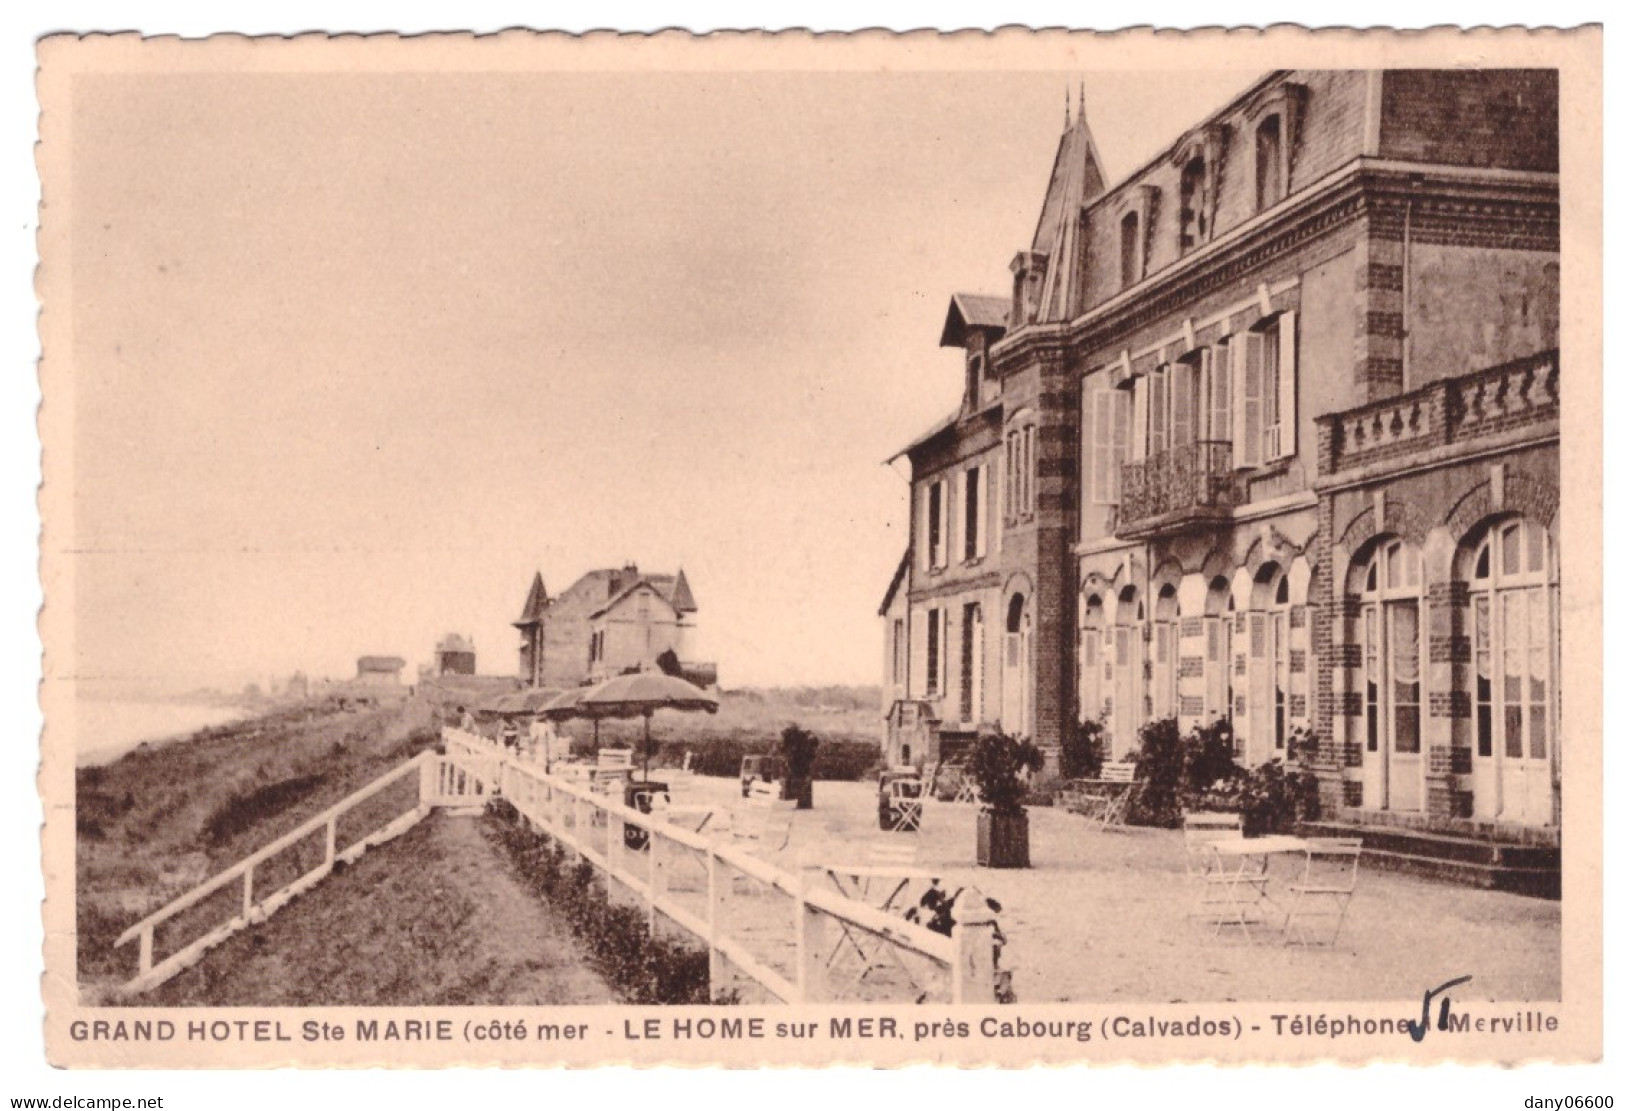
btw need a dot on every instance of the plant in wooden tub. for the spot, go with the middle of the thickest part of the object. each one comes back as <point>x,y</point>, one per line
<point>999,766</point>
<point>798,746</point>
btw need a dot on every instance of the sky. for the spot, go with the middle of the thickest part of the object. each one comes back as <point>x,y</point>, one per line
<point>355,355</point>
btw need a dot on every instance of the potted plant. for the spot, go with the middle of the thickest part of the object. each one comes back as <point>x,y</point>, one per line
<point>798,746</point>
<point>996,766</point>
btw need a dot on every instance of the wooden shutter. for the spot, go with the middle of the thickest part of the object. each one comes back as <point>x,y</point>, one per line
<point>1159,410</point>
<point>1287,390</point>
<point>1103,439</point>
<point>956,521</point>
<point>1185,377</point>
<point>1219,400</point>
<point>1141,417</point>
<point>1250,407</point>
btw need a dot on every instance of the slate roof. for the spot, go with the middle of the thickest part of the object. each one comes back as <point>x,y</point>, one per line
<point>927,436</point>
<point>974,310</point>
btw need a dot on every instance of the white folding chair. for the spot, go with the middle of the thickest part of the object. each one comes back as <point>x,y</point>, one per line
<point>1325,888</point>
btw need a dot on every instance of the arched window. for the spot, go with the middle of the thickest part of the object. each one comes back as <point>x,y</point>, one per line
<point>1093,670</point>
<point>1270,648</point>
<point>1165,654</point>
<point>1129,249</point>
<point>1128,674</point>
<point>1220,625</point>
<point>1513,591</point>
<point>1193,205</point>
<point>1017,653</point>
<point>1269,175</point>
<point>1389,584</point>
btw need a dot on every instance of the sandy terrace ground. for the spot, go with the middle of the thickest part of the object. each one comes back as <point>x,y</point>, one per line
<point>1104,916</point>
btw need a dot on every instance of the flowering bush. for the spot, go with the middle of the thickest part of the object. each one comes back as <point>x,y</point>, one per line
<point>1199,772</point>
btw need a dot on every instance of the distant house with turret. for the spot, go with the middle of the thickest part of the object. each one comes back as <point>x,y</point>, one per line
<point>610,621</point>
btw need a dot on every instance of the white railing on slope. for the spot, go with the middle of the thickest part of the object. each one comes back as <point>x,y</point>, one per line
<point>567,810</point>
<point>442,781</point>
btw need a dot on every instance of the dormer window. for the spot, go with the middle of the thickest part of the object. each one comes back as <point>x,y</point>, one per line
<point>1194,229</point>
<point>1128,246</point>
<point>973,380</point>
<point>1269,171</point>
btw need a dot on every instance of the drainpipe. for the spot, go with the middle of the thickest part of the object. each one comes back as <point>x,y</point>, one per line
<point>1413,183</point>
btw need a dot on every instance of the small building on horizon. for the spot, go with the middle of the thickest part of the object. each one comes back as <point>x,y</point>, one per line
<point>454,655</point>
<point>379,671</point>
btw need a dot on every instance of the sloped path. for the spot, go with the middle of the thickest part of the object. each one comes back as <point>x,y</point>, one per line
<point>433,918</point>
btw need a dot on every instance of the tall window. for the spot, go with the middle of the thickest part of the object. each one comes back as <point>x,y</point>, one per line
<point>935,527</point>
<point>1269,176</point>
<point>970,665</point>
<point>933,651</point>
<point>1390,630</point>
<point>1193,205</point>
<point>1093,677</point>
<point>971,511</point>
<point>899,648</point>
<point>1267,391</point>
<point>1019,467</point>
<point>1280,654</point>
<point>1165,655</point>
<point>973,382</point>
<point>1514,604</point>
<point>1129,249</point>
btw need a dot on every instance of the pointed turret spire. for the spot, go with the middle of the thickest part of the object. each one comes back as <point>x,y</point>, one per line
<point>535,602</point>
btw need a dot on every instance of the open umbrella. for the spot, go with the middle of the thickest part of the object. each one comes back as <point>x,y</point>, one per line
<point>641,694</point>
<point>568,704</point>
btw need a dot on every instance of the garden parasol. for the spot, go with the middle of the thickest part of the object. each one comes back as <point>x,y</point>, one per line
<point>568,704</point>
<point>642,693</point>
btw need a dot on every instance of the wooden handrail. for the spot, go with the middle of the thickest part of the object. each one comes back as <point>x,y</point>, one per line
<point>236,871</point>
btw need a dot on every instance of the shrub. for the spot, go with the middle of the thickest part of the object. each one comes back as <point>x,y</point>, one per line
<point>996,764</point>
<point>798,746</point>
<point>1160,768</point>
<point>243,810</point>
<point>1083,750</point>
<point>644,968</point>
<point>846,761</point>
<point>1210,755</point>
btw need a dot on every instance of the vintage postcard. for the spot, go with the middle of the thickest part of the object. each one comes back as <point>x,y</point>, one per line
<point>786,549</point>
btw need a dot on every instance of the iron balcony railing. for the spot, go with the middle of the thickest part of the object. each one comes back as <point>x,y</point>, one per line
<point>1174,487</point>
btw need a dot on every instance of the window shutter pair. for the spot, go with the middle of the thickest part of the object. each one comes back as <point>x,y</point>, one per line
<point>1251,449</point>
<point>1109,444</point>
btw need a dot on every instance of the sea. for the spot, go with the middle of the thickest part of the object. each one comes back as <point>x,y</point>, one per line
<point>107,729</point>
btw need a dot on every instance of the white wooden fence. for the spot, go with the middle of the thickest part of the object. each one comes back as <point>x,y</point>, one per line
<point>821,921</point>
<point>592,827</point>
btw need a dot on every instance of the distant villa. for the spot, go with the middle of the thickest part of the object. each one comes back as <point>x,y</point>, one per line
<point>610,621</point>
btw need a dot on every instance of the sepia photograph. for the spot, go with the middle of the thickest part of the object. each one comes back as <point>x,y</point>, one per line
<point>1031,548</point>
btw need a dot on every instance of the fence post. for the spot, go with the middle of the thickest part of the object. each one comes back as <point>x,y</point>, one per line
<point>248,891</point>
<point>614,854</point>
<point>657,873</point>
<point>973,972</point>
<point>576,807</point>
<point>428,763</point>
<point>718,889</point>
<point>813,948</point>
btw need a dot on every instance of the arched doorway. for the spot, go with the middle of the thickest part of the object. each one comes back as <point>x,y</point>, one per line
<point>1388,582</point>
<point>1017,667</point>
<point>1512,584</point>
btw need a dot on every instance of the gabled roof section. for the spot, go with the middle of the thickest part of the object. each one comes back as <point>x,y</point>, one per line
<point>1076,180</point>
<point>535,603</point>
<point>646,581</point>
<point>898,578</point>
<point>968,311</point>
<point>926,437</point>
